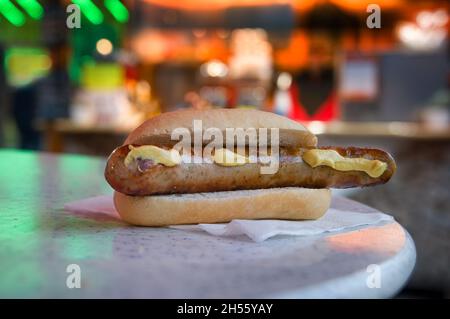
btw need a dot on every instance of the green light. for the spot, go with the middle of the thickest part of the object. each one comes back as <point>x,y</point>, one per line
<point>25,65</point>
<point>118,10</point>
<point>11,13</point>
<point>90,10</point>
<point>32,7</point>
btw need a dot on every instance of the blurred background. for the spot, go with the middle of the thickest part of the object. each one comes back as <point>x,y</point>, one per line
<point>76,76</point>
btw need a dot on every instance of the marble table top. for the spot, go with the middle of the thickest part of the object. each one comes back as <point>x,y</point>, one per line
<point>46,252</point>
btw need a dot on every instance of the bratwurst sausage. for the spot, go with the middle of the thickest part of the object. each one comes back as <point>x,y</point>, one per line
<point>210,177</point>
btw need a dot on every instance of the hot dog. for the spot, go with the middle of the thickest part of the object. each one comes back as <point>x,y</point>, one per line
<point>157,183</point>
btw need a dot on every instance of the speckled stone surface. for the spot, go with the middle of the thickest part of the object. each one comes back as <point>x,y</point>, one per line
<point>39,240</point>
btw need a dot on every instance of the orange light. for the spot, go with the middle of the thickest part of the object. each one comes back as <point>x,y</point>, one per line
<point>104,46</point>
<point>389,238</point>
<point>213,5</point>
<point>298,5</point>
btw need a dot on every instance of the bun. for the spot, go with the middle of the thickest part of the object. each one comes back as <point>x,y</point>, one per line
<point>291,203</point>
<point>157,130</point>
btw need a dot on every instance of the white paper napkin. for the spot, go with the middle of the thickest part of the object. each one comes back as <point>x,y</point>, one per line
<point>334,220</point>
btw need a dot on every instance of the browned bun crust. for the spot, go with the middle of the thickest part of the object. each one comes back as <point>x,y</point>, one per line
<point>158,130</point>
<point>292,203</point>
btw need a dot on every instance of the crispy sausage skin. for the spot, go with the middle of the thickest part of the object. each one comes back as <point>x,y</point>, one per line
<point>205,177</point>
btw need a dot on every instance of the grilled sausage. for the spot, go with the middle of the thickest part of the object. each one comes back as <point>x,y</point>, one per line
<point>210,177</point>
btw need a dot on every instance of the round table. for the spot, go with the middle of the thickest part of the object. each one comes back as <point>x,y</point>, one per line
<point>43,247</point>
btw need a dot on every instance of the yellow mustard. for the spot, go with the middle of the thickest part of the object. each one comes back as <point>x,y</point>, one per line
<point>225,157</point>
<point>331,158</point>
<point>157,155</point>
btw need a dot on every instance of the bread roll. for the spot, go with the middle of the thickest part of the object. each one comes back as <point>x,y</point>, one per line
<point>291,203</point>
<point>158,130</point>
